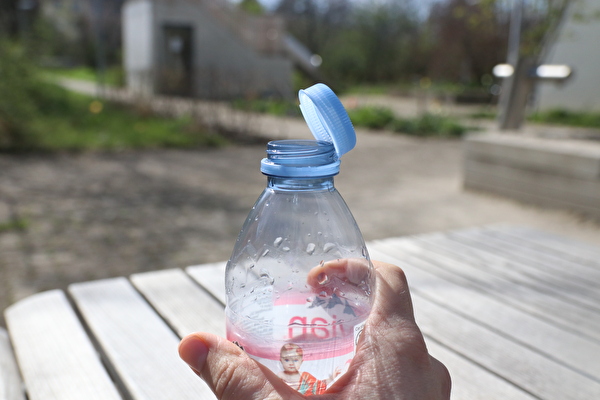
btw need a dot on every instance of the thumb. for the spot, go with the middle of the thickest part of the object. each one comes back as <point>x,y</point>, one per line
<point>229,371</point>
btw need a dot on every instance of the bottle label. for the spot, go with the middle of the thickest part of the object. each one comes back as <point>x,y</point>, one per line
<point>307,341</point>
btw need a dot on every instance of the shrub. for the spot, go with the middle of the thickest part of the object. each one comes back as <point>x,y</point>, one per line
<point>18,84</point>
<point>429,125</point>
<point>36,114</point>
<point>424,125</point>
<point>564,117</point>
<point>371,117</point>
<point>265,106</point>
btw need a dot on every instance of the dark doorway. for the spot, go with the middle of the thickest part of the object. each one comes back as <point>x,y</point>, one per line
<point>176,71</point>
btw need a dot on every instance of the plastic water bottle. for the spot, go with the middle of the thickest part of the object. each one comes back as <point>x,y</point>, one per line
<point>299,282</point>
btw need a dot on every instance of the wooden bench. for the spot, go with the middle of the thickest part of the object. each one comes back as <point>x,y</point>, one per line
<point>513,312</point>
<point>561,172</point>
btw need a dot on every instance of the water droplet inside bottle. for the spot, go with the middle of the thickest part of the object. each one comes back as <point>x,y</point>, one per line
<point>365,288</point>
<point>286,249</point>
<point>264,274</point>
<point>328,247</point>
<point>264,253</point>
<point>323,279</point>
<point>278,241</point>
<point>310,249</point>
<point>323,294</point>
<point>309,299</point>
<point>251,266</point>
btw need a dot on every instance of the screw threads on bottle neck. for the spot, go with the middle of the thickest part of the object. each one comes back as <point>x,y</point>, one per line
<point>300,159</point>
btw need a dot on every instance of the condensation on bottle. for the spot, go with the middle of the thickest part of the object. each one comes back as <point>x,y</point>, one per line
<point>299,283</point>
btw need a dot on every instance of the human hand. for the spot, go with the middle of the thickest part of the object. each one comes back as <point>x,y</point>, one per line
<point>391,362</point>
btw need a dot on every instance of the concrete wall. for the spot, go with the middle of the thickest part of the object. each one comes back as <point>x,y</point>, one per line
<point>577,46</point>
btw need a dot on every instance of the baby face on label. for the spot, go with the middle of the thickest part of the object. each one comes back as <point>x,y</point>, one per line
<point>291,361</point>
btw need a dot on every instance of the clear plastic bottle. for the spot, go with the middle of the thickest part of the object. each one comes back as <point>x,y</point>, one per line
<point>299,282</point>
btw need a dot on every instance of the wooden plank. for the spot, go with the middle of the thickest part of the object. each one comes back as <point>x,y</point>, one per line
<point>495,262</point>
<point>462,331</point>
<point>136,343</point>
<point>56,357</point>
<point>525,368</point>
<point>211,277</point>
<point>11,387</point>
<point>471,381</point>
<point>553,268</point>
<point>499,260</point>
<point>573,350</point>
<point>569,262</point>
<point>465,267</point>
<point>181,302</point>
<point>583,253</point>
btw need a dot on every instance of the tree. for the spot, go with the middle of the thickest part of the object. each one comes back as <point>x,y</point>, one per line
<point>472,35</point>
<point>470,38</point>
<point>376,42</point>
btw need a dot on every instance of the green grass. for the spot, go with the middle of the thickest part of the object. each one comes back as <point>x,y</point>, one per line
<point>569,118</point>
<point>15,224</point>
<point>483,114</point>
<point>69,121</point>
<point>113,76</point>
<point>279,108</point>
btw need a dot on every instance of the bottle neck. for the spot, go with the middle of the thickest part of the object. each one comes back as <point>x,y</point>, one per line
<point>311,184</point>
<point>300,159</point>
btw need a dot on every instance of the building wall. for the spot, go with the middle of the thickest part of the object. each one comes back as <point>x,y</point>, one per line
<point>138,46</point>
<point>578,47</point>
<point>224,66</point>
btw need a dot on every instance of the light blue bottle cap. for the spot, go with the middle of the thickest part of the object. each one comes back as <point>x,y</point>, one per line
<point>327,118</point>
<point>330,125</point>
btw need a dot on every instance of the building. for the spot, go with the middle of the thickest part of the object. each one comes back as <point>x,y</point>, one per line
<point>206,49</point>
<point>576,46</point>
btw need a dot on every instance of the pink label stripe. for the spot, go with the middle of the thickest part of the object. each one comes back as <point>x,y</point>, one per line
<point>320,350</point>
<point>288,299</point>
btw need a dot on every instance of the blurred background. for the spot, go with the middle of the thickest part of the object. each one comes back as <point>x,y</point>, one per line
<point>255,55</point>
<point>131,131</point>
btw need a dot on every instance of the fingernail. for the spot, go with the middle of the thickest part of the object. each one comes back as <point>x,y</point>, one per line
<point>193,351</point>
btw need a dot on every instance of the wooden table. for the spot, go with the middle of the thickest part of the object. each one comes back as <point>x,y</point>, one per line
<point>514,313</point>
